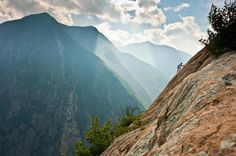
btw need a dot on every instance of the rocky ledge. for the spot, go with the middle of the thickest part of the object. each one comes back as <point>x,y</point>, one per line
<point>194,115</point>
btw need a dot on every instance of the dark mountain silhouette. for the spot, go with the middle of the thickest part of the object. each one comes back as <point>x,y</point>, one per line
<point>50,86</point>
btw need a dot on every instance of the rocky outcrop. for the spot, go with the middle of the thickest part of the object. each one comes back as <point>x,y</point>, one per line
<point>194,115</point>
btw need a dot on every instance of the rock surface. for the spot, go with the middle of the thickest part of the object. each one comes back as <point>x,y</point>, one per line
<point>194,115</point>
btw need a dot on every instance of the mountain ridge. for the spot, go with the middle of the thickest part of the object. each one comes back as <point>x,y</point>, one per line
<point>113,58</point>
<point>157,55</point>
<point>152,44</point>
<point>50,87</point>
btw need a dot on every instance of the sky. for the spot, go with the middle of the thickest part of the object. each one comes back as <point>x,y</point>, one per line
<point>176,23</point>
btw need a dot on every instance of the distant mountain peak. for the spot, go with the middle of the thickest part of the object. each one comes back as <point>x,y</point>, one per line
<point>86,28</point>
<point>151,44</point>
<point>45,14</point>
<point>141,43</point>
<point>164,58</point>
<point>148,42</point>
<point>42,17</point>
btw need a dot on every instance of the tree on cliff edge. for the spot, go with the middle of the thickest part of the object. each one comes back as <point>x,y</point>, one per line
<point>222,37</point>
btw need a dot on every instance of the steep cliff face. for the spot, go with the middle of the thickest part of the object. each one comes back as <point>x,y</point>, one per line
<point>194,115</point>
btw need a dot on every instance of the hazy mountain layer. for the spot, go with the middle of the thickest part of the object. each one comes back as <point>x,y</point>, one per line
<point>139,77</point>
<point>152,80</point>
<point>164,58</point>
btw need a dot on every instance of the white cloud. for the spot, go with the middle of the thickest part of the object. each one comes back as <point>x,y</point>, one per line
<point>61,9</point>
<point>147,3</point>
<point>146,11</point>
<point>105,9</point>
<point>151,15</point>
<point>178,7</point>
<point>16,9</point>
<point>182,35</point>
<point>4,17</point>
<point>126,5</point>
<point>118,36</point>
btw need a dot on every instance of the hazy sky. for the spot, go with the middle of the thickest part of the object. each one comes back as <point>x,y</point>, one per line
<point>177,23</point>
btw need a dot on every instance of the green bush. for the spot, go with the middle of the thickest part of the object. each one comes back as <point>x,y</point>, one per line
<point>223,22</point>
<point>129,117</point>
<point>81,149</point>
<point>100,137</point>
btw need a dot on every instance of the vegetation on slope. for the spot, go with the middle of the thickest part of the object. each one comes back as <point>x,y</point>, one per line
<point>100,137</point>
<point>221,38</point>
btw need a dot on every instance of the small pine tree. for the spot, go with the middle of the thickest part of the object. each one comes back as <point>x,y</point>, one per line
<point>81,149</point>
<point>99,137</point>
